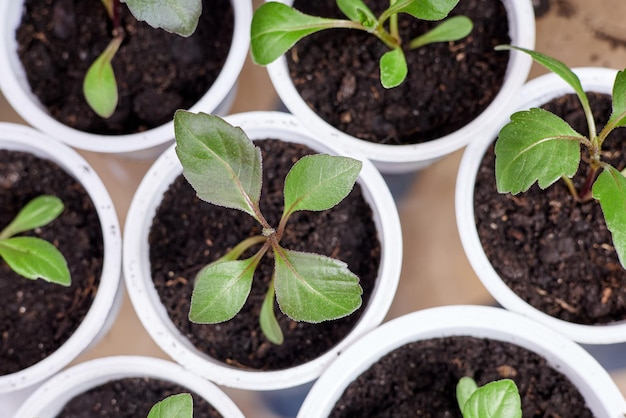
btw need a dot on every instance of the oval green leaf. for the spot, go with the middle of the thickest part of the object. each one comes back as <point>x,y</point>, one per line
<point>393,68</point>
<point>424,9</point>
<point>498,399</point>
<point>99,85</point>
<point>314,288</point>
<point>177,16</point>
<point>38,212</point>
<point>610,190</point>
<point>35,258</point>
<point>618,116</point>
<point>174,406</point>
<point>535,146</point>
<point>219,161</point>
<point>452,29</point>
<point>464,390</point>
<point>267,319</point>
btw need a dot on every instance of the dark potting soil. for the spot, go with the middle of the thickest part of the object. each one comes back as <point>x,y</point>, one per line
<point>130,398</point>
<point>37,317</point>
<point>448,85</point>
<point>419,379</point>
<point>157,72</point>
<point>188,233</point>
<point>553,252</point>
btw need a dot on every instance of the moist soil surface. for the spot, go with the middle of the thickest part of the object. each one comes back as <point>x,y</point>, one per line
<point>37,317</point>
<point>419,379</point>
<point>188,233</point>
<point>448,84</point>
<point>157,72</point>
<point>130,398</point>
<point>552,251</point>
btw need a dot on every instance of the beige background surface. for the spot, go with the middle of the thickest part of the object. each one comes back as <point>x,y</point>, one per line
<point>435,271</point>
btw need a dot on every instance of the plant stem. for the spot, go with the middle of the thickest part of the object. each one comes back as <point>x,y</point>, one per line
<point>393,23</point>
<point>570,186</point>
<point>585,191</point>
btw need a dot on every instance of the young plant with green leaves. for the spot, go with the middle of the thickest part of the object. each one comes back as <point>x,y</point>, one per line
<point>33,257</point>
<point>538,146</point>
<point>224,167</point>
<point>174,406</point>
<point>498,399</point>
<point>177,16</point>
<point>276,27</point>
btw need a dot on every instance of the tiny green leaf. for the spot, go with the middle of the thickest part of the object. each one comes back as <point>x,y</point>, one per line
<point>38,212</point>
<point>35,258</point>
<point>219,161</point>
<point>452,29</point>
<point>174,406</point>
<point>393,68</point>
<point>319,182</point>
<point>314,288</point>
<point>267,319</point>
<point>276,27</point>
<point>535,146</point>
<point>178,16</point>
<point>99,85</point>
<point>610,190</point>
<point>221,290</point>
<point>358,11</point>
<point>618,117</point>
<point>464,390</point>
<point>424,9</point>
<point>498,399</point>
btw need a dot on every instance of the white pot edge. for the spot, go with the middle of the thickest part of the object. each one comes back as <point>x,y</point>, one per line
<point>145,299</point>
<point>15,87</point>
<point>405,158</point>
<point>535,93</point>
<point>49,399</point>
<point>110,291</point>
<point>594,383</point>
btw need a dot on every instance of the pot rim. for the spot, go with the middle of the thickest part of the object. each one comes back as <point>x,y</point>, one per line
<point>536,92</point>
<point>258,125</point>
<point>16,89</point>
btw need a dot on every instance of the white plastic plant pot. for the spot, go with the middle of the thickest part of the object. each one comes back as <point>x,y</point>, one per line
<point>149,144</point>
<point>534,94</point>
<point>108,298</point>
<point>601,394</point>
<point>48,400</point>
<point>405,158</point>
<point>257,125</point>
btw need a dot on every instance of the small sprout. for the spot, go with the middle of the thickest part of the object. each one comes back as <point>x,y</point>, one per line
<point>174,406</point>
<point>224,167</point>
<point>499,399</point>
<point>99,86</point>
<point>33,257</point>
<point>276,27</point>
<point>538,146</point>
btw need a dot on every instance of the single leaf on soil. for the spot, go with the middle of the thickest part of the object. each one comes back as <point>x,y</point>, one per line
<point>99,85</point>
<point>219,161</point>
<point>267,318</point>
<point>35,258</point>
<point>314,288</point>
<point>452,29</point>
<point>177,16</point>
<point>535,146</point>
<point>174,406</point>
<point>393,68</point>
<point>464,389</point>
<point>499,399</point>
<point>610,190</point>
<point>38,212</point>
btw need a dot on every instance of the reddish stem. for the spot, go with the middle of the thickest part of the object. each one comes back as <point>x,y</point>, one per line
<point>585,190</point>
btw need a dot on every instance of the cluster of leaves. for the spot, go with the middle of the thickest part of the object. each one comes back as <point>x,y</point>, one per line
<point>499,399</point>
<point>33,257</point>
<point>177,16</point>
<point>174,406</point>
<point>276,27</point>
<point>538,146</point>
<point>224,167</point>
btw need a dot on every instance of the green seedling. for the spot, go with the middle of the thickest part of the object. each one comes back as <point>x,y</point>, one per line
<point>33,257</point>
<point>499,399</point>
<point>174,406</point>
<point>276,27</point>
<point>224,167</point>
<point>177,16</point>
<point>538,146</point>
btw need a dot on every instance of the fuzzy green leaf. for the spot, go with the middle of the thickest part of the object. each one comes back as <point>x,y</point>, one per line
<point>424,9</point>
<point>35,258</point>
<point>276,27</point>
<point>177,16</point>
<point>618,117</point>
<point>314,288</point>
<point>535,146</point>
<point>267,318</point>
<point>498,399</point>
<point>452,29</point>
<point>393,68</point>
<point>610,190</point>
<point>221,290</point>
<point>99,85</point>
<point>464,390</point>
<point>219,161</point>
<point>358,11</point>
<point>319,182</point>
<point>174,406</point>
<point>38,212</point>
